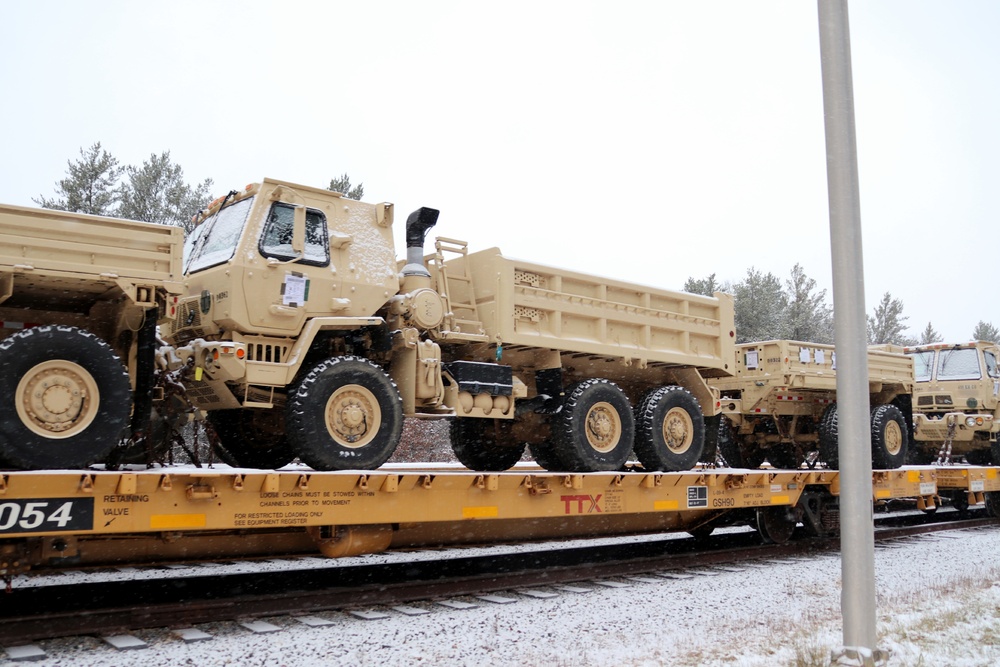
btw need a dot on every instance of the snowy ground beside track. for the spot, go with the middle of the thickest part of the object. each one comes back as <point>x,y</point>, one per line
<point>938,605</point>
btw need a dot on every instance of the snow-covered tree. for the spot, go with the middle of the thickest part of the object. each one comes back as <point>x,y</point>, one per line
<point>704,286</point>
<point>986,331</point>
<point>930,335</point>
<point>807,316</point>
<point>887,326</point>
<point>343,186</point>
<point>156,192</point>
<point>90,185</point>
<point>760,307</point>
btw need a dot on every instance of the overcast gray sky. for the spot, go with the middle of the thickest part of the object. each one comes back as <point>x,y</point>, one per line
<point>646,141</point>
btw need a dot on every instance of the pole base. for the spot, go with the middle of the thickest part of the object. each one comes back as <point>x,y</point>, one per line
<point>856,656</point>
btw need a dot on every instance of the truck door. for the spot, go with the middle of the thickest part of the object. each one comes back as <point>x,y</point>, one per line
<point>286,282</point>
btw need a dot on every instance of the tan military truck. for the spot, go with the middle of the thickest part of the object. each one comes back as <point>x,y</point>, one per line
<point>302,336</point>
<point>781,405</point>
<point>80,297</point>
<point>956,411</point>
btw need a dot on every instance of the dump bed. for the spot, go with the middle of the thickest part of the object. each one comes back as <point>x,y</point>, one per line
<point>532,305</point>
<point>57,245</point>
<point>812,366</point>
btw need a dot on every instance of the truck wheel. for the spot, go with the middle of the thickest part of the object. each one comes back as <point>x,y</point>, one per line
<point>735,454</point>
<point>710,453</point>
<point>345,414</point>
<point>595,429</point>
<point>889,437</point>
<point>727,444</point>
<point>67,398</point>
<point>251,438</point>
<point>829,447</point>
<point>485,444</point>
<point>546,456</point>
<point>670,430</point>
<point>784,456</point>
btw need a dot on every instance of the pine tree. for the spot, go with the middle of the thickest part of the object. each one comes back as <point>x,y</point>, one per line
<point>986,331</point>
<point>156,192</point>
<point>706,286</point>
<point>807,316</point>
<point>760,304</point>
<point>886,327</point>
<point>90,185</point>
<point>930,335</point>
<point>343,186</point>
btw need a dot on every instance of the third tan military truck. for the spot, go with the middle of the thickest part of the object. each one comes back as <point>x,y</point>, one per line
<point>780,405</point>
<point>956,409</point>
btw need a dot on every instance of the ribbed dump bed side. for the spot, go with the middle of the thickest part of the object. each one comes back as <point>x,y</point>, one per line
<point>811,365</point>
<point>72,243</point>
<point>532,305</point>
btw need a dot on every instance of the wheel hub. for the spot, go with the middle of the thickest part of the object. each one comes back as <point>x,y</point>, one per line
<point>352,416</point>
<point>678,430</point>
<point>57,399</point>
<point>603,427</point>
<point>893,438</point>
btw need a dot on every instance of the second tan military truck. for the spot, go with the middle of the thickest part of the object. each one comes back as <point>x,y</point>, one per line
<point>780,405</point>
<point>956,409</point>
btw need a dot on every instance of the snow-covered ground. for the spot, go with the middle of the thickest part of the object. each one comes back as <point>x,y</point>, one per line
<point>938,605</point>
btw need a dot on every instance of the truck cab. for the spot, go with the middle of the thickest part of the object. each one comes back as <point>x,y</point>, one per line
<point>955,403</point>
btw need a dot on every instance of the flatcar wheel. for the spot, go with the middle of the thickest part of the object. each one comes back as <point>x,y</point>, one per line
<point>546,456</point>
<point>993,503</point>
<point>776,524</point>
<point>960,500</point>
<point>669,429</point>
<point>889,437</point>
<point>67,398</point>
<point>485,444</point>
<point>345,414</point>
<point>251,438</point>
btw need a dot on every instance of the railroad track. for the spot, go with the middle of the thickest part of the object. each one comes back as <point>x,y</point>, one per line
<point>34,612</point>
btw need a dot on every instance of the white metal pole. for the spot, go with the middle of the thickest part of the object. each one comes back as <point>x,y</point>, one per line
<point>857,542</point>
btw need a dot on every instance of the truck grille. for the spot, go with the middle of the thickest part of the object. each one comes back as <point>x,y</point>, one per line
<point>269,352</point>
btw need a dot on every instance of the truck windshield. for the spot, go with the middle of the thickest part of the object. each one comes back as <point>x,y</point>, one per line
<point>923,362</point>
<point>958,364</point>
<point>214,241</point>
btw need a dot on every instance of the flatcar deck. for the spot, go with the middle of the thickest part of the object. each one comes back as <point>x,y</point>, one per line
<point>88,516</point>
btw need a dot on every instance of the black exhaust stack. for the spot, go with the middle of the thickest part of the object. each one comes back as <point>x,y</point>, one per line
<point>417,225</point>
